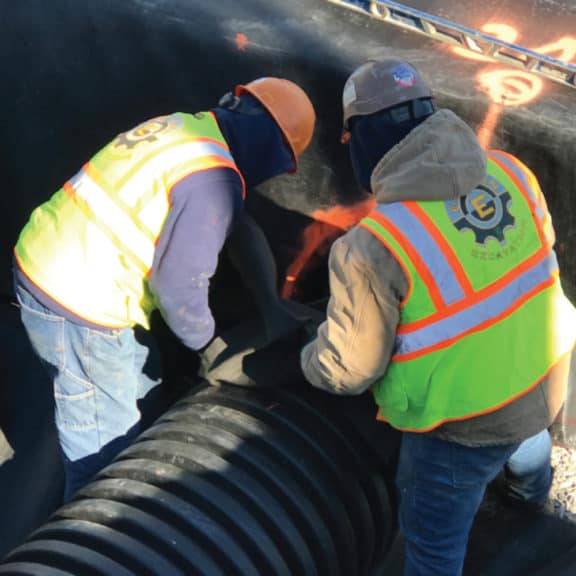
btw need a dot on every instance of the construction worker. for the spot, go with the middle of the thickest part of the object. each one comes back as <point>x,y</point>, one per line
<point>446,302</point>
<point>139,228</point>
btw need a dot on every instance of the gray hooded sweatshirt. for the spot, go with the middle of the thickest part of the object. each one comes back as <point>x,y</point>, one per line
<point>439,160</point>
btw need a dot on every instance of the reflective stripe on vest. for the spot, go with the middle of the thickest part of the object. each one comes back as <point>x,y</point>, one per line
<point>112,212</point>
<point>426,254</point>
<point>477,315</point>
<point>187,152</point>
<point>528,183</point>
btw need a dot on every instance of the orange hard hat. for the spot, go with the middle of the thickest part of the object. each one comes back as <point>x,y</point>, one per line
<point>290,107</point>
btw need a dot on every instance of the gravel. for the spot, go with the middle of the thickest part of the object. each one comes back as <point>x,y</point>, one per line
<point>563,491</point>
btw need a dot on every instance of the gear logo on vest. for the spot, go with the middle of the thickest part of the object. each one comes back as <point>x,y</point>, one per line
<point>485,211</point>
<point>148,131</point>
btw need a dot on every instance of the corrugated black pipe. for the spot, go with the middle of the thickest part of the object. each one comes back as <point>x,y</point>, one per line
<point>230,482</point>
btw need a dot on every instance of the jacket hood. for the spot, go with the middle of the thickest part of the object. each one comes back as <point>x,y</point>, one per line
<point>439,160</point>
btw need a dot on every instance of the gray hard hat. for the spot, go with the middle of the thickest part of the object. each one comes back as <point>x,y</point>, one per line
<point>381,84</point>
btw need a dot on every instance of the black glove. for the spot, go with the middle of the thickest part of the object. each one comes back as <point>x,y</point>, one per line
<point>257,360</point>
<point>278,364</point>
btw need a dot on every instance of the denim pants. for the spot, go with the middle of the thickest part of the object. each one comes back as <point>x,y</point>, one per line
<point>99,378</point>
<point>441,485</point>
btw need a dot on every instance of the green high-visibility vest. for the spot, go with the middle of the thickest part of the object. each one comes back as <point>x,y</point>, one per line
<point>91,246</point>
<point>485,318</point>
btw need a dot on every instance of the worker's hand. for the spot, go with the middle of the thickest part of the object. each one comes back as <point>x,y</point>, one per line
<point>263,360</point>
<point>280,358</point>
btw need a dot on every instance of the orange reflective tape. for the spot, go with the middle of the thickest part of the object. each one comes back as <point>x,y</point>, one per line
<point>207,163</point>
<point>222,145</point>
<point>69,190</point>
<point>486,324</point>
<point>60,303</point>
<point>443,245</point>
<point>397,256</point>
<point>520,187</point>
<point>476,297</point>
<point>164,147</point>
<point>206,139</point>
<point>94,174</point>
<point>546,220</point>
<point>480,412</point>
<point>415,258</point>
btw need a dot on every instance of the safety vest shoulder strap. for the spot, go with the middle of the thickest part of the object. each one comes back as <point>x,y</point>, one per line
<point>390,236</point>
<point>528,184</point>
<point>435,260</point>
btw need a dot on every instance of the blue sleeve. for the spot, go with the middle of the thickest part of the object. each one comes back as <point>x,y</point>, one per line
<point>204,207</point>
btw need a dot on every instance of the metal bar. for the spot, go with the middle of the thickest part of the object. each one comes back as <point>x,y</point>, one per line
<point>467,38</point>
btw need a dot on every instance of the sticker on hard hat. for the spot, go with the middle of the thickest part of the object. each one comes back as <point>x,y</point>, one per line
<point>404,75</point>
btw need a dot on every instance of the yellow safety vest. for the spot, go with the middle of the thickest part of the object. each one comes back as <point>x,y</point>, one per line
<point>485,317</point>
<point>91,246</point>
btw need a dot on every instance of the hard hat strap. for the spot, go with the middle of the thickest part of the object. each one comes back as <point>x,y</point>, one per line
<point>413,110</point>
<point>244,104</point>
<point>229,101</point>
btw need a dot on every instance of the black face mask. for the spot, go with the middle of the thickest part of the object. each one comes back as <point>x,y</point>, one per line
<point>374,135</point>
<point>255,141</point>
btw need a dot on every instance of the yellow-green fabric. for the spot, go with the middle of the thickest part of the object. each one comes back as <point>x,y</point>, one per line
<point>489,336</point>
<point>91,246</point>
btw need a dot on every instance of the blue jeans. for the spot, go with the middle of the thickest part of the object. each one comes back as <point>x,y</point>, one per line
<point>99,377</point>
<point>441,485</point>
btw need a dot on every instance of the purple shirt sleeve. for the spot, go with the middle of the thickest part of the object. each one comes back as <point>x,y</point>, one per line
<point>204,208</point>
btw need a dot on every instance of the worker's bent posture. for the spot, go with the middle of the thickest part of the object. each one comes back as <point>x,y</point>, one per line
<point>140,227</point>
<point>446,301</point>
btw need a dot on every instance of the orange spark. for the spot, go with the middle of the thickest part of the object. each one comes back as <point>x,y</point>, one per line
<point>241,41</point>
<point>314,243</point>
<point>318,237</point>
<point>344,217</point>
<point>500,31</point>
